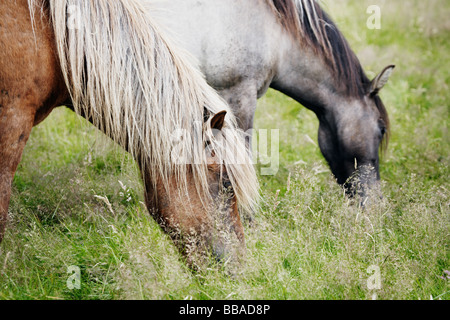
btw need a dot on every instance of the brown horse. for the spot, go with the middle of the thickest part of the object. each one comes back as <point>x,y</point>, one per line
<point>112,64</point>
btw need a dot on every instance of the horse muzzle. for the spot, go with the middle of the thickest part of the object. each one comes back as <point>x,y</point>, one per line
<point>364,183</point>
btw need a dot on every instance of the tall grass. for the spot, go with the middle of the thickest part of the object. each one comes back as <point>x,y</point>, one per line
<point>308,241</point>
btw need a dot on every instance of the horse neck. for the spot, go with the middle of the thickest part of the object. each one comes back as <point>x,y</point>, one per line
<point>304,75</point>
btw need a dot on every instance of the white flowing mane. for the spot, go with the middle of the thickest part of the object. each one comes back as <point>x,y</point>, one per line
<point>138,88</point>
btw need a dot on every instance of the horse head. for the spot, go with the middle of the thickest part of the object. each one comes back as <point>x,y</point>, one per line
<point>351,135</point>
<point>202,224</point>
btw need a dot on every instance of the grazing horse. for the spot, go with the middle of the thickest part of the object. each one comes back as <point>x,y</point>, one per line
<point>113,65</point>
<point>246,46</point>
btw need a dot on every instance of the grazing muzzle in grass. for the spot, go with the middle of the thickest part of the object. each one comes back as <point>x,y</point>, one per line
<point>351,134</point>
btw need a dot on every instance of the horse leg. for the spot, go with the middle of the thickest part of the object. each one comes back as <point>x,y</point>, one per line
<point>242,99</point>
<point>16,121</point>
<point>15,127</point>
<point>31,85</point>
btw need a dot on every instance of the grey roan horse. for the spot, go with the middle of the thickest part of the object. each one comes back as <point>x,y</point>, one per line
<point>246,46</point>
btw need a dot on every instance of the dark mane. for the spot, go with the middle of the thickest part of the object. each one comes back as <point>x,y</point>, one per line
<point>307,22</point>
<point>311,25</point>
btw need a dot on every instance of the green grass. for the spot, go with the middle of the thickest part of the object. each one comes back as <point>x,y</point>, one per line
<point>308,241</point>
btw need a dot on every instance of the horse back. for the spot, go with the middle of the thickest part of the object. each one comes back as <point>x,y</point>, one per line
<point>232,41</point>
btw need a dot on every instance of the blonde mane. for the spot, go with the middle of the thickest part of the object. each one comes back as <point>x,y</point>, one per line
<point>137,87</point>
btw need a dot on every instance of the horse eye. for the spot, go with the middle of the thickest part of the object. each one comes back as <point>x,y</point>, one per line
<point>382,127</point>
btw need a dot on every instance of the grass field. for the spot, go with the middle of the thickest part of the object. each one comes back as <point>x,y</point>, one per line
<point>308,241</point>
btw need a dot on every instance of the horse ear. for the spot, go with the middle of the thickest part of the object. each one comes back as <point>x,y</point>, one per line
<point>380,80</point>
<point>218,120</point>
